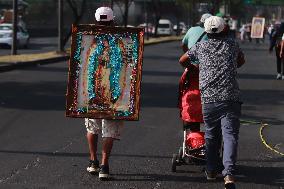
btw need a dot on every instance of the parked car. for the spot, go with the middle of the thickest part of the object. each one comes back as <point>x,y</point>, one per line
<point>182,28</point>
<point>151,28</point>
<point>165,27</point>
<point>6,38</point>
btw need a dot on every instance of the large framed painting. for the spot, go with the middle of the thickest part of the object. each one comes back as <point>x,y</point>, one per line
<point>105,71</point>
<point>257,27</point>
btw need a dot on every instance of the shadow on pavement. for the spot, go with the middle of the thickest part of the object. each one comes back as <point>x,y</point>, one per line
<point>263,119</point>
<point>161,73</point>
<point>162,57</point>
<point>256,76</point>
<point>159,95</point>
<point>262,97</point>
<point>158,177</point>
<point>33,96</point>
<point>65,154</point>
<point>39,68</point>
<point>261,175</point>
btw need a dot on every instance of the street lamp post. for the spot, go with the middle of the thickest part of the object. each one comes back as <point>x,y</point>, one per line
<point>15,27</point>
<point>111,4</point>
<point>126,2</point>
<point>146,20</point>
<point>60,25</point>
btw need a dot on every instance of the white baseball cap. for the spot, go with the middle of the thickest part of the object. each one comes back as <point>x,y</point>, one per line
<point>204,17</point>
<point>104,14</point>
<point>214,24</point>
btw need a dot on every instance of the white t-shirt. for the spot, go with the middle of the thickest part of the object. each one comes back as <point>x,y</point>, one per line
<point>283,37</point>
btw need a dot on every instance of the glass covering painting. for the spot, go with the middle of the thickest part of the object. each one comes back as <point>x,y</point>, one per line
<point>105,72</point>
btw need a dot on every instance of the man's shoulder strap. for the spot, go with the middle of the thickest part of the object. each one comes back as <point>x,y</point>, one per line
<point>200,37</point>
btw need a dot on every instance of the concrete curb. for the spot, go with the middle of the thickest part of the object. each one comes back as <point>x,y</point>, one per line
<point>8,66</point>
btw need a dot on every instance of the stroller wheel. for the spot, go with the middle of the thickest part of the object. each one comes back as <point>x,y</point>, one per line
<point>180,153</point>
<point>174,162</point>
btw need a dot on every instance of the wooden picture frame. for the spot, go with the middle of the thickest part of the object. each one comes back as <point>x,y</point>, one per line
<point>105,70</point>
<point>257,27</point>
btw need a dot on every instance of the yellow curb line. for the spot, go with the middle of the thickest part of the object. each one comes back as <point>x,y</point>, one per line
<point>30,57</point>
<point>263,125</point>
<point>264,142</point>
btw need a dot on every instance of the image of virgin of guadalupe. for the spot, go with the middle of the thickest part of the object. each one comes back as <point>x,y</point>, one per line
<point>94,90</point>
<point>102,90</point>
<point>104,67</point>
<point>104,81</point>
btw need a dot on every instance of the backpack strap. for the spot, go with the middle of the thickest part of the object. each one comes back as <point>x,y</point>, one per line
<point>202,35</point>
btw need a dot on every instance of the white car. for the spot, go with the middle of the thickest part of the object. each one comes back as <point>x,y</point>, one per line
<point>6,35</point>
<point>165,27</point>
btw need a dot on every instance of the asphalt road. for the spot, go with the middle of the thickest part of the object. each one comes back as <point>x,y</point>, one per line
<point>40,148</point>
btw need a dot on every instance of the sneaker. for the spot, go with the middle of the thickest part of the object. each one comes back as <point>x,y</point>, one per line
<point>229,182</point>
<point>278,76</point>
<point>104,172</point>
<point>210,175</point>
<point>94,166</point>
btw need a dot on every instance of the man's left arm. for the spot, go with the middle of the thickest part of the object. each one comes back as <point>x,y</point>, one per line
<point>241,59</point>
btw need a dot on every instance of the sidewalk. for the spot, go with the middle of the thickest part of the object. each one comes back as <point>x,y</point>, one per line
<point>10,62</point>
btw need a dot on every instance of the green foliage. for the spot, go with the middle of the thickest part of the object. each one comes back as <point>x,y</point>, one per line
<point>264,2</point>
<point>44,11</point>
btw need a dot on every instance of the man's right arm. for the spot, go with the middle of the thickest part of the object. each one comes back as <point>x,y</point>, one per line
<point>184,48</point>
<point>184,45</point>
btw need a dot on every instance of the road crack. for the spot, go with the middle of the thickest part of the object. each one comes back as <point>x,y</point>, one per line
<point>32,164</point>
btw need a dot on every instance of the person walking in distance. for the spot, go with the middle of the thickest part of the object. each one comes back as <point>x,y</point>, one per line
<point>282,48</point>
<point>276,43</point>
<point>218,60</point>
<point>111,129</point>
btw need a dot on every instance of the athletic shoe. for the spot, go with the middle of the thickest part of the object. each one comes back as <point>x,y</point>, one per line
<point>278,76</point>
<point>210,175</point>
<point>229,182</point>
<point>94,166</point>
<point>104,172</point>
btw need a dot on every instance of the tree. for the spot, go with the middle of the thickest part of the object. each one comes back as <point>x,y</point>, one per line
<point>190,7</point>
<point>156,8</point>
<point>125,16</point>
<point>78,9</point>
<point>124,8</point>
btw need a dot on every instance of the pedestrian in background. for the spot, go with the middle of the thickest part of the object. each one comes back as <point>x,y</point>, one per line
<point>218,60</point>
<point>282,48</point>
<point>243,33</point>
<point>194,33</point>
<point>276,39</point>
<point>270,29</point>
<point>111,129</point>
<point>189,94</point>
<point>248,32</point>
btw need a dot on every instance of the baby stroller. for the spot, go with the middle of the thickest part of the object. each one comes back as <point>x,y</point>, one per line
<point>192,150</point>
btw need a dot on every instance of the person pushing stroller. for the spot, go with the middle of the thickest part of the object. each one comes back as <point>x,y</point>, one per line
<point>218,60</point>
<point>190,102</point>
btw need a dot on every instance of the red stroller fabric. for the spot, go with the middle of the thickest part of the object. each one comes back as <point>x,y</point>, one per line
<point>189,96</point>
<point>195,139</point>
